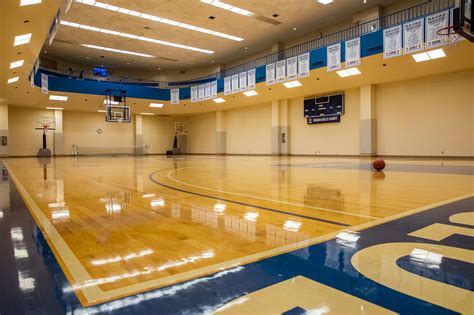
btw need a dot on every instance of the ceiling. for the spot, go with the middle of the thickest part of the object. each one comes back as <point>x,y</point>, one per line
<point>305,16</point>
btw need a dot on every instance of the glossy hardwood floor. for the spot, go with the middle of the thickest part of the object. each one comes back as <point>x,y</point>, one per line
<point>122,225</point>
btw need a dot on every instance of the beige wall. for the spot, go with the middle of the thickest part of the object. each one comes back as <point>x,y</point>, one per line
<point>427,116</point>
<point>202,133</point>
<point>249,130</point>
<point>24,140</point>
<point>331,138</point>
<point>81,129</point>
<point>158,133</point>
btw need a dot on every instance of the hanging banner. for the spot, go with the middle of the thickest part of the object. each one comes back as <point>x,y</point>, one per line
<point>281,71</point>
<point>292,68</point>
<point>251,81</point>
<point>433,24</point>
<point>37,65</point>
<point>194,94</point>
<point>213,89</point>
<point>270,74</point>
<point>235,83</point>
<point>392,42</point>
<point>207,91</point>
<point>32,78</point>
<point>303,65</point>
<point>44,83</point>
<point>227,86</point>
<point>243,81</point>
<point>353,52</point>
<point>201,93</point>
<point>334,57</point>
<point>413,33</point>
<point>174,96</point>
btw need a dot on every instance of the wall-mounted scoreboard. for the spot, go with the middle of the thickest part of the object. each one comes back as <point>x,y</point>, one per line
<point>324,109</point>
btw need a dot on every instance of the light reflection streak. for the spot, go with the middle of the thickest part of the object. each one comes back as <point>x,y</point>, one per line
<point>26,284</point>
<point>430,259</point>
<point>292,226</point>
<point>251,216</point>
<point>347,238</point>
<point>16,234</point>
<point>99,262</point>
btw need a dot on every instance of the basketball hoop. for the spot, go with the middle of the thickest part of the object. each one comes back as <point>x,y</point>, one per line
<point>451,37</point>
<point>181,128</point>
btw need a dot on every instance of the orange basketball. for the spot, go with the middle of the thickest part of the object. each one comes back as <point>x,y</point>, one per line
<point>379,164</point>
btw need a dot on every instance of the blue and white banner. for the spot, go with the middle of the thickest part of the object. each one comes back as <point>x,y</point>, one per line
<point>243,81</point>
<point>207,91</point>
<point>194,94</point>
<point>174,96</point>
<point>213,89</point>
<point>353,52</point>
<point>433,24</point>
<point>413,33</point>
<point>44,84</point>
<point>292,68</point>
<point>334,57</point>
<point>235,83</point>
<point>281,71</point>
<point>201,93</point>
<point>251,80</point>
<point>227,86</point>
<point>303,65</point>
<point>270,74</point>
<point>392,42</point>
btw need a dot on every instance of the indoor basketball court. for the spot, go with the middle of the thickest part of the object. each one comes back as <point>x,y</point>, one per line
<point>236,157</point>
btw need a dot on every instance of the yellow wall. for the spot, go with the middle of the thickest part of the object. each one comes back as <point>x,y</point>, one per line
<point>24,140</point>
<point>331,138</point>
<point>249,130</point>
<point>158,133</point>
<point>202,133</point>
<point>426,116</point>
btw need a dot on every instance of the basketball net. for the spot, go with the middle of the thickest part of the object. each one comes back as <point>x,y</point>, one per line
<point>452,38</point>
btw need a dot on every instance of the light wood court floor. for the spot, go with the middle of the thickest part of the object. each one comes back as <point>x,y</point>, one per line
<point>122,225</point>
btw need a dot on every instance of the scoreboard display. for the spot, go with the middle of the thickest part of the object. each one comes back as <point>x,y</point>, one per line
<point>319,109</point>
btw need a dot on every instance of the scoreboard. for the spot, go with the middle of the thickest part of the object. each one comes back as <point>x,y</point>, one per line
<point>319,109</point>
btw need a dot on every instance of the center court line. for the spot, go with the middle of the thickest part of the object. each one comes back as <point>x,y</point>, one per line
<point>168,175</point>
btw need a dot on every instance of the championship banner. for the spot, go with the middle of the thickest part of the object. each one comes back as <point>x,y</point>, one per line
<point>392,42</point>
<point>44,83</point>
<point>281,71</point>
<point>334,57</point>
<point>243,81</point>
<point>174,96</point>
<point>194,94</point>
<point>413,32</point>
<point>270,74</point>
<point>251,80</point>
<point>227,86</point>
<point>235,83</point>
<point>207,91</point>
<point>433,24</point>
<point>213,89</point>
<point>201,93</point>
<point>353,52</point>
<point>37,65</point>
<point>292,68</point>
<point>303,65</point>
<point>32,78</point>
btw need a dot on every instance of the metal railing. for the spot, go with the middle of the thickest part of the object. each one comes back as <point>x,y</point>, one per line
<point>423,9</point>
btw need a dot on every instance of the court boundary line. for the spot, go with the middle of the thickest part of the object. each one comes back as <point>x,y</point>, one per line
<point>168,175</point>
<point>93,295</point>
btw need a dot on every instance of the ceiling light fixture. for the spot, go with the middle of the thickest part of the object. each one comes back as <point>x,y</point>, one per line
<point>348,72</point>
<point>292,84</point>
<point>250,93</point>
<point>325,1</point>
<point>147,114</point>
<point>16,64</point>
<point>58,98</point>
<point>29,2</point>
<point>430,55</point>
<point>156,105</point>
<point>219,100</point>
<point>101,111</point>
<point>142,38</point>
<point>120,51</point>
<point>12,80</point>
<point>158,19</point>
<point>228,7</point>
<point>55,108</point>
<point>22,39</point>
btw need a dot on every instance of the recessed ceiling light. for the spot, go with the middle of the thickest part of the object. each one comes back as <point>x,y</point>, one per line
<point>228,7</point>
<point>12,80</point>
<point>55,108</point>
<point>156,105</point>
<point>250,93</point>
<point>219,100</point>
<point>120,51</point>
<point>353,71</point>
<point>292,84</point>
<point>421,57</point>
<point>101,111</point>
<point>29,2</point>
<point>16,64</point>
<point>22,39</point>
<point>437,53</point>
<point>325,1</point>
<point>348,72</point>
<point>343,73</point>
<point>147,114</point>
<point>58,98</point>
<point>142,38</point>
<point>159,19</point>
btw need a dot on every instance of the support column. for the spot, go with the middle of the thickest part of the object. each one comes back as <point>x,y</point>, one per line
<point>280,128</point>
<point>221,134</point>
<point>276,127</point>
<point>138,130</point>
<point>58,133</point>
<point>4,130</point>
<point>368,121</point>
